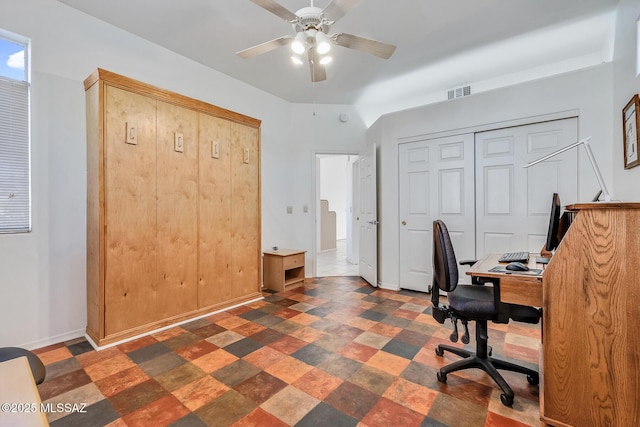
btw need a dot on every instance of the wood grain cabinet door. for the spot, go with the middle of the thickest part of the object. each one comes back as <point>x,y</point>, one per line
<point>214,211</point>
<point>130,210</point>
<point>245,201</point>
<point>177,171</point>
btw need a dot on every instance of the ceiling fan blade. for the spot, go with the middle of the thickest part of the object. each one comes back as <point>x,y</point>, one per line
<point>338,8</point>
<point>318,72</point>
<point>265,47</point>
<point>277,9</point>
<point>373,47</point>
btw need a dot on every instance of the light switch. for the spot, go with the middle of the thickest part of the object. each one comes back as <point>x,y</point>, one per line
<point>246,155</point>
<point>215,149</point>
<point>289,209</point>
<point>132,134</point>
<point>178,142</point>
<point>305,209</point>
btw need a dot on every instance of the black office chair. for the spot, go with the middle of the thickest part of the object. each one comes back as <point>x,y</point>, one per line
<point>473,303</point>
<point>37,367</point>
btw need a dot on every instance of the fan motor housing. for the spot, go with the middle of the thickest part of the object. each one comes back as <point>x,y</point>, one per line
<point>311,18</point>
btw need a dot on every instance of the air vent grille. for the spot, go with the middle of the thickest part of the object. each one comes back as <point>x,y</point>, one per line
<point>459,92</point>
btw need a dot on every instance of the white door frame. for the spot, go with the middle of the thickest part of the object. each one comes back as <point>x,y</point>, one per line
<point>315,206</point>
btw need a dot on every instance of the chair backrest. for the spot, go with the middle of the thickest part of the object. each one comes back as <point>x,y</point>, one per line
<point>445,267</point>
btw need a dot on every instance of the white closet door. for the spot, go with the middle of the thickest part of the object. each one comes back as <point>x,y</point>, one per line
<point>513,203</point>
<point>436,182</point>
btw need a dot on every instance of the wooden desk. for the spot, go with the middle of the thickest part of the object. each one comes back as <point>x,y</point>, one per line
<point>514,287</point>
<point>591,348</point>
<point>590,363</point>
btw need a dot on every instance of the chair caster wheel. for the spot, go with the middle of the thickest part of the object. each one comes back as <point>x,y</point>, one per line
<point>441,377</point>
<point>439,351</point>
<point>533,379</point>
<point>506,400</point>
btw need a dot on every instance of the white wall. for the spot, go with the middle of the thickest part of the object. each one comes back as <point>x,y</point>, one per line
<point>626,83</point>
<point>587,92</point>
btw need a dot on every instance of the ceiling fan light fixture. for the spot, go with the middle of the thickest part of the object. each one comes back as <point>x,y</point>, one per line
<point>298,44</point>
<point>322,43</point>
<point>313,37</point>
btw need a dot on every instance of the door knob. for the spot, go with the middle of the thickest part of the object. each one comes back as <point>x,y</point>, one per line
<point>404,222</point>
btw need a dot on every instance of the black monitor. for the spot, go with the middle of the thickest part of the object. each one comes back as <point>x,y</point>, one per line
<point>553,236</point>
<point>554,224</point>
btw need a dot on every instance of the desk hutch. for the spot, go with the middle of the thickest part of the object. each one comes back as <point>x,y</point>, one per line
<point>591,311</point>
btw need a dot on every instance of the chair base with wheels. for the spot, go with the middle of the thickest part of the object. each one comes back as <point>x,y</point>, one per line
<point>482,359</point>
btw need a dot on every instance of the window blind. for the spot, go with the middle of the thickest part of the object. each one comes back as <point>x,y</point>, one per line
<point>15,197</point>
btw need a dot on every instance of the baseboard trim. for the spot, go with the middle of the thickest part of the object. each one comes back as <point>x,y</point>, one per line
<point>163,328</point>
<point>33,345</point>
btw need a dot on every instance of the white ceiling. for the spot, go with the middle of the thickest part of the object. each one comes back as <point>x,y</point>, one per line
<point>440,43</point>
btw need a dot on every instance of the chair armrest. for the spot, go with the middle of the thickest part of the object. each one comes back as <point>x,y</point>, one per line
<point>467,261</point>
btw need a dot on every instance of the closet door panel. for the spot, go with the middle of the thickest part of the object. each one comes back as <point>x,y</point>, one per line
<point>245,201</point>
<point>130,210</point>
<point>512,203</point>
<point>177,142</point>
<point>214,206</point>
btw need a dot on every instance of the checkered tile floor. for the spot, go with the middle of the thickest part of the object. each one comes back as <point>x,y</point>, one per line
<point>334,352</point>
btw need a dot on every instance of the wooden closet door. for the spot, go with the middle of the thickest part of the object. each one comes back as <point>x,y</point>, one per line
<point>214,200</point>
<point>130,210</point>
<point>177,210</point>
<point>245,202</point>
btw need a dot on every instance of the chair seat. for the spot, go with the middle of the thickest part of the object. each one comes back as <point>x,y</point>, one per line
<point>473,301</point>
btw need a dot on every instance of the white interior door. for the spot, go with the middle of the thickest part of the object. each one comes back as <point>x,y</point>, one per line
<point>353,254</point>
<point>436,182</point>
<point>368,217</point>
<point>513,203</point>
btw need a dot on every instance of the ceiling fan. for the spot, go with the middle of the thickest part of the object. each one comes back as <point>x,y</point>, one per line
<point>311,25</point>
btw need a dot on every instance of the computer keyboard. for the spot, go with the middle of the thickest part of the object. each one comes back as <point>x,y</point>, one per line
<point>514,257</point>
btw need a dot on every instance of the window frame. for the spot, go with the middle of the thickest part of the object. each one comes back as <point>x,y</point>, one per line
<point>13,89</point>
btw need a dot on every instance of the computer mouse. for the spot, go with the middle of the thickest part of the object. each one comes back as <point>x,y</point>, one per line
<point>516,266</point>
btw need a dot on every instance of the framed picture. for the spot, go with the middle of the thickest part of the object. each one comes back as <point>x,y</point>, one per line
<point>631,137</point>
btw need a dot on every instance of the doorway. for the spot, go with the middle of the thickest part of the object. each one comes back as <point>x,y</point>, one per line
<point>336,236</point>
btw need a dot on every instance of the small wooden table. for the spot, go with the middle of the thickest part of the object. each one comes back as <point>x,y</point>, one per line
<point>19,395</point>
<point>283,268</point>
